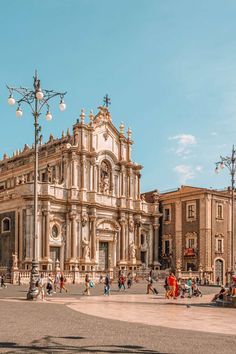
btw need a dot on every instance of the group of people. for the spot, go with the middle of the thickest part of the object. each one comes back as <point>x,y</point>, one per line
<point>123,282</point>
<point>90,284</point>
<point>50,284</point>
<point>176,287</point>
<point>226,291</point>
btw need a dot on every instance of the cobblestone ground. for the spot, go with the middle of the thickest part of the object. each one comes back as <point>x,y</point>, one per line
<point>50,327</point>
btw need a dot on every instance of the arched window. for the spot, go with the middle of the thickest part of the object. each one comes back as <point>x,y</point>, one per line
<point>6,225</point>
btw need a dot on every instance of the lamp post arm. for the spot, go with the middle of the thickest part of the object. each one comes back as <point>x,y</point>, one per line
<point>45,101</point>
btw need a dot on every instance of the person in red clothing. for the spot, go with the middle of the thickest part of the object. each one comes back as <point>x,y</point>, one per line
<point>172,285</point>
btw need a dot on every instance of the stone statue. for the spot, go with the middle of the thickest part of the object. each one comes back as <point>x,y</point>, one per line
<point>14,261</point>
<point>131,225</point>
<point>132,250</point>
<point>84,219</point>
<point>106,185</point>
<point>49,173</point>
<point>105,180</point>
<point>85,248</point>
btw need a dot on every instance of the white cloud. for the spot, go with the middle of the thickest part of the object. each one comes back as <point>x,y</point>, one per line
<point>185,172</point>
<point>198,168</point>
<point>184,144</point>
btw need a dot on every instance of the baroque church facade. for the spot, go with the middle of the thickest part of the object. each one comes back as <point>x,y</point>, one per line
<point>91,215</point>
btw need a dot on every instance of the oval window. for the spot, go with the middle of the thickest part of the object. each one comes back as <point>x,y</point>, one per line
<point>55,231</point>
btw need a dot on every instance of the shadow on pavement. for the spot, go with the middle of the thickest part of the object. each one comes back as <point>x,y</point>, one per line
<point>51,344</point>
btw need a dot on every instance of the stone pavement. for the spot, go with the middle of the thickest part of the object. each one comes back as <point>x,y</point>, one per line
<point>64,324</point>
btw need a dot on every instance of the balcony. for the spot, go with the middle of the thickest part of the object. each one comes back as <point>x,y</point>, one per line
<point>190,252</point>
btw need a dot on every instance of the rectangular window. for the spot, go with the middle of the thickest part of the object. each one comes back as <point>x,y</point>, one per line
<point>219,211</point>
<point>220,246</point>
<point>167,214</point>
<point>191,243</point>
<point>167,247</point>
<point>44,179</point>
<point>191,211</point>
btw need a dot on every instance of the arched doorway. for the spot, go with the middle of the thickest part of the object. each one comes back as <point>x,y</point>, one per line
<point>219,270</point>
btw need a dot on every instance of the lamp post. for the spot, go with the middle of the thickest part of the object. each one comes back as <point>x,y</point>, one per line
<point>230,163</point>
<point>37,98</point>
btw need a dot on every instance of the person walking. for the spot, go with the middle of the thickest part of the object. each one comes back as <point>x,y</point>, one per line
<point>129,280</point>
<point>56,282</point>
<point>87,285</point>
<point>3,285</point>
<point>62,283</point>
<point>107,285</point>
<point>149,285</point>
<point>122,282</point>
<point>172,285</point>
<point>49,285</point>
<point>41,284</point>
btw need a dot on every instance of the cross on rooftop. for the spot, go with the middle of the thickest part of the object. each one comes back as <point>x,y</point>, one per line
<point>106,101</point>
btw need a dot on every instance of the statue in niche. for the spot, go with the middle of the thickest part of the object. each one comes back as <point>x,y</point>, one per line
<point>131,225</point>
<point>85,248</point>
<point>105,178</point>
<point>49,173</point>
<point>132,250</point>
<point>84,219</point>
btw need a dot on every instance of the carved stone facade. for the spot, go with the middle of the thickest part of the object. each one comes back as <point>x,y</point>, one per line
<point>195,232</point>
<point>91,216</point>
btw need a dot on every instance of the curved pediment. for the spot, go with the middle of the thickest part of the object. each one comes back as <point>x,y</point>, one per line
<point>107,225</point>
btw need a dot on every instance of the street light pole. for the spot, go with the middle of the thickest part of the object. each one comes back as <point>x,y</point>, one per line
<point>37,99</point>
<point>230,163</point>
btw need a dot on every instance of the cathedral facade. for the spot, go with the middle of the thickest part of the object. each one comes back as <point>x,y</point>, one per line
<point>90,213</point>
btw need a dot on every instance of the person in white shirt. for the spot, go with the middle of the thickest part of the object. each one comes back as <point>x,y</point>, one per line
<point>41,283</point>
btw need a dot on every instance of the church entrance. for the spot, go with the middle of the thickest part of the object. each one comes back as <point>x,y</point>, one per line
<point>54,255</point>
<point>219,270</point>
<point>103,256</point>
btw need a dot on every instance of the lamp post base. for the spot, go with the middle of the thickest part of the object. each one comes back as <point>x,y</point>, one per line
<point>33,290</point>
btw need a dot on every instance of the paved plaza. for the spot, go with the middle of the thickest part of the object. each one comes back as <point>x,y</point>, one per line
<point>125,322</point>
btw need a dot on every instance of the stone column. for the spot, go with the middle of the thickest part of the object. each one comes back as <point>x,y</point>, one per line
<point>178,235</point>
<point>122,240</point>
<point>156,243</point>
<point>94,177</point>
<point>74,172</point>
<point>16,233</point>
<point>73,236</point>
<point>83,161</point>
<point>20,236</point>
<point>93,238</point>
<point>46,214</point>
<point>139,177</point>
<point>138,241</point>
<point>206,232</point>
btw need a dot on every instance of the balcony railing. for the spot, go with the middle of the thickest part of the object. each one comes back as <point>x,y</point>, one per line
<point>190,252</point>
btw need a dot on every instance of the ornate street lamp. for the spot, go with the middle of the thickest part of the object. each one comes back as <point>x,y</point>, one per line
<point>230,163</point>
<point>37,98</point>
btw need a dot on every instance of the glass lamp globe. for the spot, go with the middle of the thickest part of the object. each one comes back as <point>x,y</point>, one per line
<point>217,170</point>
<point>11,101</point>
<point>48,116</point>
<point>39,95</point>
<point>19,112</point>
<point>62,106</point>
<point>222,165</point>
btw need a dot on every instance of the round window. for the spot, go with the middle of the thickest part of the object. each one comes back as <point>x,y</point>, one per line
<point>55,231</point>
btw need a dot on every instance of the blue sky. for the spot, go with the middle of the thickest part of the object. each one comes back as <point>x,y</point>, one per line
<point>168,66</point>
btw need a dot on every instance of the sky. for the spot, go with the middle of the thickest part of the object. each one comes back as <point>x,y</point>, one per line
<point>169,67</point>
